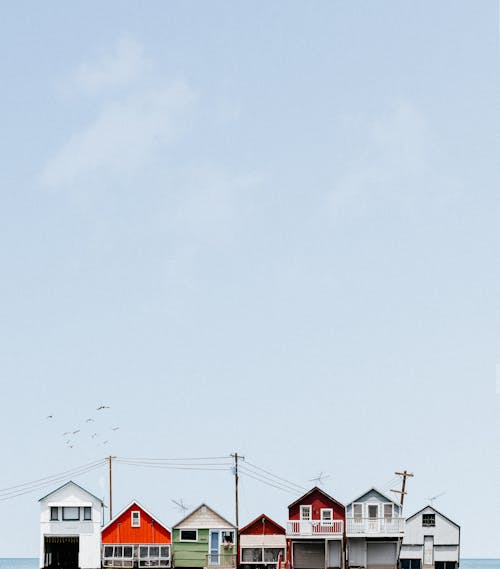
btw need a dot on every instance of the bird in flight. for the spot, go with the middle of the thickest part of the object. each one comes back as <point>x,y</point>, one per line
<point>94,435</point>
<point>49,417</point>
<point>74,432</point>
<point>66,434</point>
<point>101,407</point>
<point>89,420</point>
<point>115,428</point>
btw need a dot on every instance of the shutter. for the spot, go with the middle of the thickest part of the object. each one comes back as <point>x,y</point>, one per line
<point>309,555</point>
<point>381,555</point>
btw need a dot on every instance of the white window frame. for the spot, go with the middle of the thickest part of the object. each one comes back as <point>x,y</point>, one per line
<point>146,561</point>
<point>117,561</point>
<point>188,540</point>
<point>306,508</point>
<point>263,556</point>
<point>88,509</point>
<point>65,519</point>
<point>135,522</point>
<point>326,510</point>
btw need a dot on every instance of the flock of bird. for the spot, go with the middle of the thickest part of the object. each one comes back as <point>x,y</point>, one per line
<point>76,434</point>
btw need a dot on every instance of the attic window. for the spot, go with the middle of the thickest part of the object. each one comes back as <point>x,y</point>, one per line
<point>428,520</point>
<point>135,517</point>
<point>70,514</point>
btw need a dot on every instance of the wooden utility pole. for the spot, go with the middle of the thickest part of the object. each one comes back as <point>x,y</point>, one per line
<point>405,474</point>
<point>236,479</point>
<point>110,460</point>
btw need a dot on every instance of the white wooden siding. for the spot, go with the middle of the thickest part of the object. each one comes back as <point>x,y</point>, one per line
<point>263,541</point>
<point>204,518</point>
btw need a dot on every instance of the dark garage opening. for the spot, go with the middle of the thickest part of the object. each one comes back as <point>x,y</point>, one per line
<point>61,552</point>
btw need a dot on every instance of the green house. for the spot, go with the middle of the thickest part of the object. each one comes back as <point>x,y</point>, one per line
<point>204,539</point>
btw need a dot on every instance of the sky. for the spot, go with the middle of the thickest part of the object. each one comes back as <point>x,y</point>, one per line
<point>262,227</point>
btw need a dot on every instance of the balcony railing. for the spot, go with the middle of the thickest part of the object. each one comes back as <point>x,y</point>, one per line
<point>315,528</point>
<point>375,525</point>
<point>225,560</point>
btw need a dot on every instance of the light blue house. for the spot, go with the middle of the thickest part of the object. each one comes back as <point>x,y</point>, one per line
<point>374,531</point>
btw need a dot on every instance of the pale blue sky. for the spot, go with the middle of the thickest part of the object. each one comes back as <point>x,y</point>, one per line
<point>269,227</point>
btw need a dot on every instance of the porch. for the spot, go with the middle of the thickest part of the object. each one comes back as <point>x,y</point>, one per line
<point>315,528</point>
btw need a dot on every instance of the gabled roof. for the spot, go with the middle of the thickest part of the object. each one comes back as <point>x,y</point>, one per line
<point>196,510</point>
<point>74,484</point>
<point>267,518</point>
<point>134,503</point>
<point>316,489</point>
<point>373,489</point>
<point>434,510</point>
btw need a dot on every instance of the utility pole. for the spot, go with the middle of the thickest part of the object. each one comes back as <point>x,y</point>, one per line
<point>236,479</point>
<point>405,474</point>
<point>110,460</point>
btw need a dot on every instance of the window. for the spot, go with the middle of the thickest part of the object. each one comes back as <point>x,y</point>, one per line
<point>87,513</point>
<point>410,563</point>
<point>326,514</point>
<point>188,535</point>
<point>387,511</point>
<point>135,517</point>
<point>227,537</point>
<point>70,514</point>
<point>428,520</point>
<point>261,554</point>
<point>271,554</point>
<point>54,513</point>
<point>305,512</point>
<point>251,554</point>
<point>357,511</point>
<point>118,556</point>
<point>154,555</point>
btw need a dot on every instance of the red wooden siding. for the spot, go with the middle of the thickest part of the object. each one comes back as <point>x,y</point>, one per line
<point>121,531</point>
<point>318,500</point>
<point>262,525</point>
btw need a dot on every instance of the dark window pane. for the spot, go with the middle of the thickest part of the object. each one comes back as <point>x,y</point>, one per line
<point>54,513</point>
<point>188,535</point>
<point>108,551</point>
<point>87,513</point>
<point>71,514</point>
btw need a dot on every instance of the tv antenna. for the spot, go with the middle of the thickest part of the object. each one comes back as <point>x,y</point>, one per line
<point>431,500</point>
<point>319,479</point>
<point>181,507</point>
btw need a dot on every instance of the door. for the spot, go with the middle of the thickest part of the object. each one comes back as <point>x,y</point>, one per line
<point>373,521</point>
<point>214,547</point>
<point>306,520</point>
<point>309,555</point>
<point>428,550</point>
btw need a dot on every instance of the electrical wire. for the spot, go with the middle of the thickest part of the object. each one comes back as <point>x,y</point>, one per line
<point>274,475</point>
<point>273,481</point>
<point>288,491</point>
<point>40,485</point>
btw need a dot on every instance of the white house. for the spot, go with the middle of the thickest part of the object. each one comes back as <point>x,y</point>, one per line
<point>431,540</point>
<point>374,530</point>
<point>70,529</point>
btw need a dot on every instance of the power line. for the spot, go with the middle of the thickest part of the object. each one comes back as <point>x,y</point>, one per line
<point>275,476</point>
<point>263,481</point>
<point>287,486</point>
<point>227,457</point>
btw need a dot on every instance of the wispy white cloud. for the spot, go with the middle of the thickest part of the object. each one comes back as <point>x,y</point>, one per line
<point>123,66</point>
<point>122,137</point>
<point>394,153</point>
<point>130,124</point>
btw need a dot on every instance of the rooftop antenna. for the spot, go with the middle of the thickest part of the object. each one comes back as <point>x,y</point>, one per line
<point>319,479</point>
<point>431,500</point>
<point>181,507</point>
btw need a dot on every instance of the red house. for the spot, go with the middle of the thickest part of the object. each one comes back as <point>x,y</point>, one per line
<point>135,538</point>
<point>261,543</point>
<point>316,531</point>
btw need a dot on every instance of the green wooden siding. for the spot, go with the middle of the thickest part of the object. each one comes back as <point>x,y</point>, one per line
<point>194,553</point>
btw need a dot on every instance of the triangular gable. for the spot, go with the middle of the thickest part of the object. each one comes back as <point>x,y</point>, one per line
<point>433,509</point>
<point>204,517</point>
<point>138,506</point>
<point>311,491</point>
<point>74,484</point>
<point>376,490</point>
<point>258,522</point>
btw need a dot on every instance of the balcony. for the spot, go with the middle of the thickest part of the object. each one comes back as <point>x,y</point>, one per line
<point>222,560</point>
<point>315,528</point>
<point>375,526</point>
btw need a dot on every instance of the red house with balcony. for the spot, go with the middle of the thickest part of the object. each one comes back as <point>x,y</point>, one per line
<point>135,538</point>
<point>316,531</point>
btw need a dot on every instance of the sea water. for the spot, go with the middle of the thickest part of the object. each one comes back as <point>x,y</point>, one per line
<point>32,563</point>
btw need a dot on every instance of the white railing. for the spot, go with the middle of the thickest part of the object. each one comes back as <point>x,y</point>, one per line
<point>375,525</point>
<point>316,528</point>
